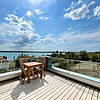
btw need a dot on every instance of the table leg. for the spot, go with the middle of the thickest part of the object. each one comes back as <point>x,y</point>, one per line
<point>28,75</point>
<point>41,70</point>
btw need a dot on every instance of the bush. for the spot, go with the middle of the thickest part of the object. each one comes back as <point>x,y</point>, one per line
<point>94,58</point>
<point>83,55</point>
<point>99,58</point>
<point>53,54</point>
<point>76,57</point>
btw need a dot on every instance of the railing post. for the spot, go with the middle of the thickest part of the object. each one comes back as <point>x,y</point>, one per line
<point>47,61</point>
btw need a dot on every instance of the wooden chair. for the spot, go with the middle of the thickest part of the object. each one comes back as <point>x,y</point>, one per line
<point>24,72</point>
<point>43,61</point>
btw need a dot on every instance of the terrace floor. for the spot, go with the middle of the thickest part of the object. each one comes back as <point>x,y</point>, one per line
<point>52,87</point>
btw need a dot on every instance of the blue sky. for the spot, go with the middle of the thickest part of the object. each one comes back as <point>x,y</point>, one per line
<point>50,25</point>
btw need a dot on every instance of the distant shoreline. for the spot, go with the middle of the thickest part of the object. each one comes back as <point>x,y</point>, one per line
<point>40,51</point>
<point>30,51</point>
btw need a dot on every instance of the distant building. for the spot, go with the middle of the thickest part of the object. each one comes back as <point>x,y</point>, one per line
<point>3,59</point>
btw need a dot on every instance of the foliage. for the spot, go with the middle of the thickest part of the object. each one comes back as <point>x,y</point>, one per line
<point>76,57</point>
<point>82,55</point>
<point>99,58</point>
<point>65,64</point>
<point>94,58</point>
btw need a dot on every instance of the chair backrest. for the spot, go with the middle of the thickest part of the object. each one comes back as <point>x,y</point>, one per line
<point>43,60</point>
<point>21,64</point>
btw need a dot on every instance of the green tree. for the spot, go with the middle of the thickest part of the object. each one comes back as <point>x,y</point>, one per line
<point>53,54</point>
<point>57,52</point>
<point>99,58</point>
<point>76,57</point>
<point>94,58</point>
<point>83,55</point>
<point>60,55</point>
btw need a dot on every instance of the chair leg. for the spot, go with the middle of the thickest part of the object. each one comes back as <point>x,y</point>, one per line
<point>38,73</point>
<point>33,74</point>
<point>20,79</point>
<point>44,73</point>
<point>23,80</point>
<point>19,76</point>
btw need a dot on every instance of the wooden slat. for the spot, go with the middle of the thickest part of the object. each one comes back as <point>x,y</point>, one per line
<point>43,91</point>
<point>26,89</point>
<point>85,93</point>
<point>61,91</point>
<point>51,93</point>
<point>68,94</point>
<point>27,86</point>
<point>8,87</point>
<point>99,95</point>
<point>78,96</point>
<point>17,89</point>
<point>89,95</point>
<point>29,96</point>
<point>75,92</point>
<point>52,87</point>
<point>48,92</point>
<point>66,91</point>
<point>95,95</point>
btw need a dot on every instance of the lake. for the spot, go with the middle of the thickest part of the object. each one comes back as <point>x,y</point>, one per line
<point>11,55</point>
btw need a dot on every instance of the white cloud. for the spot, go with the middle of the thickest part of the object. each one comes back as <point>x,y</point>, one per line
<point>77,13</point>
<point>38,12</point>
<point>89,16</point>
<point>22,29</point>
<point>3,41</point>
<point>29,13</point>
<point>73,37</point>
<point>13,19</point>
<point>36,3</point>
<point>69,28</point>
<point>79,2</point>
<point>68,38</point>
<point>67,9</point>
<point>93,2</point>
<point>97,11</point>
<point>44,18</point>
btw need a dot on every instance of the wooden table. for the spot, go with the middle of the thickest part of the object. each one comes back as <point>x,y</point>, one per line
<point>30,65</point>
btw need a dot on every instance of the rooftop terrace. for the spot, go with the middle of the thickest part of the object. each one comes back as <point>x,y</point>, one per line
<point>52,87</point>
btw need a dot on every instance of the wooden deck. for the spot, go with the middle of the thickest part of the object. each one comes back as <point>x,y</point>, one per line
<point>52,87</point>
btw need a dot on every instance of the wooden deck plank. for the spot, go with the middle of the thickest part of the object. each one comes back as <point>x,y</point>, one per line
<point>66,91</point>
<point>61,91</point>
<point>43,91</point>
<point>95,95</point>
<point>85,93</point>
<point>8,87</point>
<point>49,93</point>
<point>68,94</point>
<point>89,95</point>
<point>25,87</point>
<point>52,87</point>
<point>75,92</point>
<point>79,94</point>
<point>29,88</point>
<point>99,95</point>
<point>55,91</point>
